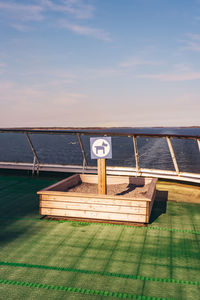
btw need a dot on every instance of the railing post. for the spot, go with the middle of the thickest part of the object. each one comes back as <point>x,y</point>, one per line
<point>136,155</point>
<point>173,156</point>
<point>198,142</point>
<point>82,151</point>
<point>35,157</point>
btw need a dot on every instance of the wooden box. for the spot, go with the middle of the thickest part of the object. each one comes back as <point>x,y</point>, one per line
<point>129,199</point>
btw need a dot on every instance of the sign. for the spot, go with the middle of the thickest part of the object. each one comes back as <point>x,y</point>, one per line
<point>100,147</point>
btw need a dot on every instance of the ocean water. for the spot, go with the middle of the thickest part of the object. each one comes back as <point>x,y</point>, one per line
<point>65,149</point>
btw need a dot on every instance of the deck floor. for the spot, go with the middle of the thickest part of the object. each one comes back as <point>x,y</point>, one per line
<point>42,259</point>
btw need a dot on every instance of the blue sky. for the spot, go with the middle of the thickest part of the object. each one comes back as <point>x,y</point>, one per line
<point>99,63</point>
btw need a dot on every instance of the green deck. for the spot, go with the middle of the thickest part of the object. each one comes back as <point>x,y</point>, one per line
<point>42,259</point>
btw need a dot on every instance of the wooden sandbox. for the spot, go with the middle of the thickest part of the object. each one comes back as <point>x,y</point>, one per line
<point>128,199</point>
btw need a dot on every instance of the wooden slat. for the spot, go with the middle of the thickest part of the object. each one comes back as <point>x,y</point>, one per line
<point>110,179</point>
<point>107,201</point>
<point>93,215</point>
<point>151,188</point>
<point>93,207</point>
<point>84,195</point>
<point>63,185</point>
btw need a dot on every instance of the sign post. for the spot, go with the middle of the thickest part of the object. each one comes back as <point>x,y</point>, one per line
<point>101,148</point>
<point>102,183</point>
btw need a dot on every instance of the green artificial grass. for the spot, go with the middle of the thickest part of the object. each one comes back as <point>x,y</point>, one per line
<point>48,259</point>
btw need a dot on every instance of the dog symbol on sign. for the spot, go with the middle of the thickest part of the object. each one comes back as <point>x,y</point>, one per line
<point>101,148</point>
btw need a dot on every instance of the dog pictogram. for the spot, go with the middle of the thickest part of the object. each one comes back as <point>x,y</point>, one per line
<point>101,148</point>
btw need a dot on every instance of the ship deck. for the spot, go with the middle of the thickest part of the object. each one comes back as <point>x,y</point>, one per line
<point>51,259</point>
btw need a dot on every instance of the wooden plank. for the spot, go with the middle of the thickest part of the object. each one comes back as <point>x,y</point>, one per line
<point>110,179</point>
<point>93,215</point>
<point>106,201</point>
<point>93,207</point>
<point>147,213</point>
<point>88,195</point>
<point>102,186</point>
<point>152,188</point>
<point>151,203</point>
<point>63,185</point>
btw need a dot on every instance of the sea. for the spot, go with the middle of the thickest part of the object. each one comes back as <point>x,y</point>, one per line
<point>65,149</point>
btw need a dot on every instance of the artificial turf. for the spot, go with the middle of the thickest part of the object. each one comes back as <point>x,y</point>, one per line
<point>47,259</point>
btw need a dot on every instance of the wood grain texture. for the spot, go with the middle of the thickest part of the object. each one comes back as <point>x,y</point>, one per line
<point>56,200</point>
<point>97,200</point>
<point>102,183</point>
<point>93,207</point>
<point>93,215</point>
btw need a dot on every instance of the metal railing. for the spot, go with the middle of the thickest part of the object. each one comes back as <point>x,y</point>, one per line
<point>37,166</point>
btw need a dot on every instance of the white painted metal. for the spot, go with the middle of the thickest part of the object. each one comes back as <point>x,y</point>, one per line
<point>175,175</point>
<point>82,151</point>
<point>173,156</point>
<point>36,162</point>
<point>183,176</point>
<point>198,141</point>
<point>136,156</point>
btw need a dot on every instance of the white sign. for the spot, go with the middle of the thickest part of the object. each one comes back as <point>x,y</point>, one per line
<point>101,147</point>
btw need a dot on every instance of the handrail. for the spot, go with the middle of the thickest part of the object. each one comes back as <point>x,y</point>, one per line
<point>137,171</point>
<point>95,131</point>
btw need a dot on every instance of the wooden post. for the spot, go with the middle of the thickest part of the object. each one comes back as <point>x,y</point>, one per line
<point>102,187</point>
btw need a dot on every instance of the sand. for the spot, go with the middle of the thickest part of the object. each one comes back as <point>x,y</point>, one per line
<point>125,190</point>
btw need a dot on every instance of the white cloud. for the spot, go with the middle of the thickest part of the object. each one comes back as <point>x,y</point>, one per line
<point>28,106</point>
<point>77,8</point>
<point>188,98</point>
<point>31,12</point>
<point>22,12</point>
<point>86,31</point>
<point>194,36</point>
<point>187,76</point>
<point>20,27</point>
<point>2,68</point>
<point>19,14</point>
<point>134,61</point>
<point>11,92</point>
<point>192,43</point>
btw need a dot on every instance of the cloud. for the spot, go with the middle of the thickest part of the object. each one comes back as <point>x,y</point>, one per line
<point>194,36</point>
<point>22,12</point>
<point>19,96</point>
<point>30,12</point>
<point>192,43</point>
<point>134,61</point>
<point>187,76</point>
<point>2,68</point>
<point>29,106</point>
<point>20,27</point>
<point>77,8</point>
<point>86,31</point>
<point>188,99</point>
<point>72,10</point>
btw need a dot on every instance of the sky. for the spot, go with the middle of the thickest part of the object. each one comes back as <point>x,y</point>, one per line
<point>129,63</point>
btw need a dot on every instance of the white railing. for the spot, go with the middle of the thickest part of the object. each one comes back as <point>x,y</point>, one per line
<point>37,166</point>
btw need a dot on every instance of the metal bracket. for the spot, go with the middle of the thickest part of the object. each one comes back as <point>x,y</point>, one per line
<point>198,142</point>
<point>36,162</point>
<point>85,164</point>
<point>138,171</point>
<point>173,156</point>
